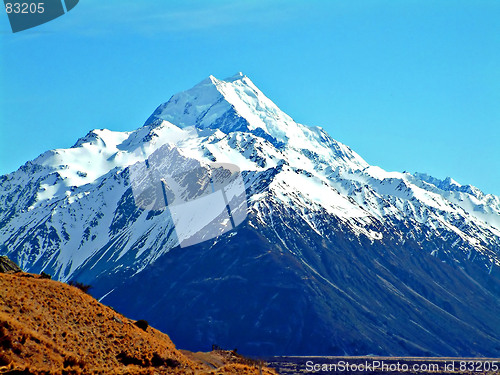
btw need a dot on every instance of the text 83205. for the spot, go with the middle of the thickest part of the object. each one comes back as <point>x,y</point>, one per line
<point>24,8</point>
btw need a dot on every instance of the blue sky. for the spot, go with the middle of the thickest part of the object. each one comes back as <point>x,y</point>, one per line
<point>409,85</point>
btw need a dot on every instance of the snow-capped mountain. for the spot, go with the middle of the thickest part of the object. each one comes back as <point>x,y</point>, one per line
<point>335,256</point>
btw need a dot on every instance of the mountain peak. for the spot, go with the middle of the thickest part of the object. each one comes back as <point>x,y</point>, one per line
<point>231,104</point>
<point>235,104</point>
<point>236,77</point>
<point>211,81</point>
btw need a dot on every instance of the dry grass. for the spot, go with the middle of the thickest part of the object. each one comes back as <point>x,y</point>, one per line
<point>228,362</point>
<point>48,327</point>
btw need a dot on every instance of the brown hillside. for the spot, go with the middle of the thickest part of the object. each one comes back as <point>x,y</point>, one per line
<point>48,327</point>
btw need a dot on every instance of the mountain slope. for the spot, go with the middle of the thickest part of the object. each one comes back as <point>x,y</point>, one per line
<point>387,248</point>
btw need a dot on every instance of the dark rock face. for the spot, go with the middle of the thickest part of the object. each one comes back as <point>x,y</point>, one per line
<point>275,290</point>
<point>6,265</point>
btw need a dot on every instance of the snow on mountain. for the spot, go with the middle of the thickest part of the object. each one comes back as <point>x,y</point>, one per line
<point>71,212</point>
<point>236,104</point>
<point>78,190</point>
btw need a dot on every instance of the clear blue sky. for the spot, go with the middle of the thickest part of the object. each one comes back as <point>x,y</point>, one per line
<point>409,85</point>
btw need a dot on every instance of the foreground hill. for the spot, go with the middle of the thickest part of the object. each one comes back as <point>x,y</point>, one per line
<point>48,327</point>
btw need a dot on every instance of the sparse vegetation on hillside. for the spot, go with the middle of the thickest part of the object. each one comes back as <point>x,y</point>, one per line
<point>83,287</point>
<point>48,327</point>
<point>142,324</point>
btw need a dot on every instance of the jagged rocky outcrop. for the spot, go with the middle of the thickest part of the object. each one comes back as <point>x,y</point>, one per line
<point>6,265</point>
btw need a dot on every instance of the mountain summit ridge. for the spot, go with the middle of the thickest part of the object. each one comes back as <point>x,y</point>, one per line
<point>319,215</point>
<point>232,104</point>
